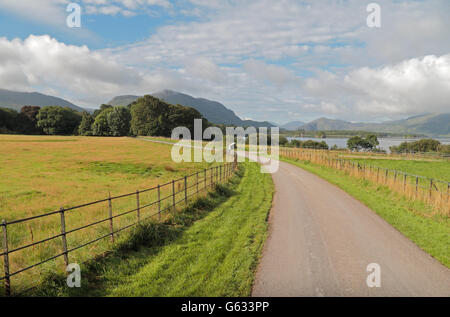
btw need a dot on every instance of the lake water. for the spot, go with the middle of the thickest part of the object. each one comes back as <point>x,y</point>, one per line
<point>385,143</point>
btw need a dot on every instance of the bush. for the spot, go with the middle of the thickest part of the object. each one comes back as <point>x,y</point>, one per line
<point>424,145</point>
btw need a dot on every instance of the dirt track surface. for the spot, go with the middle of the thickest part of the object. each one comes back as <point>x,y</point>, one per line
<point>321,241</point>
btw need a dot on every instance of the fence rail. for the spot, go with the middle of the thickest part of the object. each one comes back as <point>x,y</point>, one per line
<point>430,190</point>
<point>186,187</point>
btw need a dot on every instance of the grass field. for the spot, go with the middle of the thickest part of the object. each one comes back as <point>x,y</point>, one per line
<point>211,249</point>
<point>438,169</point>
<point>40,174</point>
<point>415,219</point>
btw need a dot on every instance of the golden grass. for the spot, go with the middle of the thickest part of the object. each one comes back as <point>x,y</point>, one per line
<point>40,174</point>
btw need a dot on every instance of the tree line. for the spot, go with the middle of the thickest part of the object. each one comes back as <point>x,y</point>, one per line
<point>309,144</point>
<point>147,116</point>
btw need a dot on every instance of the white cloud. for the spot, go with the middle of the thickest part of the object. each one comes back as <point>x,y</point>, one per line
<point>274,74</point>
<point>43,11</point>
<point>413,86</point>
<point>203,68</point>
<point>74,71</point>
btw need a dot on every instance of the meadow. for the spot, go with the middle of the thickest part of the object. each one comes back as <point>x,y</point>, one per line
<point>41,174</point>
<point>438,169</point>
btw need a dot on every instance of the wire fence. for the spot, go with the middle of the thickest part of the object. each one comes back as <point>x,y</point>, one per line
<point>433,191</point>
<point>410,154</point>
<point>73,232</point>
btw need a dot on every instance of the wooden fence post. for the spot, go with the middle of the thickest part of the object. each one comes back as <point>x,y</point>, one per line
<point>220,173</point>
<point>6,259</point>
<point>448,192</point>
<point>212,177</point>
<point>173,194</point>
<point>138,206</point>
<point>431,188</point>
<point>111,226</point>
<point>404,183</point>
<point>197,183</point>
<point>63,237</point>
<point>185,190</point>
<point>205,180</point>
<point>417,185</point>
<point>159,202</point>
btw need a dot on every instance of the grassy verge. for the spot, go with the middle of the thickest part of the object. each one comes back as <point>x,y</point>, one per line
<point>414,219</point>
<point>210,249</point>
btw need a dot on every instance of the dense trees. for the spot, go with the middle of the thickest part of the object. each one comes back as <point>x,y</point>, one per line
<point>85,128</point>
<point>112,121</point>
<point>146,116</point>
<point>153,117</point>
<point>28,120</point>
<point>56,120</point>
<point>23,122</point>
<point>309,144</point>
<point>8,120</point>
<point>424,145</point>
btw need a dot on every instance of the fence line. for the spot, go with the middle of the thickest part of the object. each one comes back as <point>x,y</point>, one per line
<point>170,202</point>
<point>433,191</point>
<point>411,154</point>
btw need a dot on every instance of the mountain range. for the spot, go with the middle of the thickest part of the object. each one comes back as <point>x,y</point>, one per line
<point>16,100</point>
<point>435,124</point>
<point>212,110</point>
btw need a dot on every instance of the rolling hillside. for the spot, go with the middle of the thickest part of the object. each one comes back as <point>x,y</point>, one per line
<point>16,100</point>
<point>212,110</point>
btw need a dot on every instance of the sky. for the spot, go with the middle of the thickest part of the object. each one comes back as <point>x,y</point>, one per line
<point>278,61</point>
